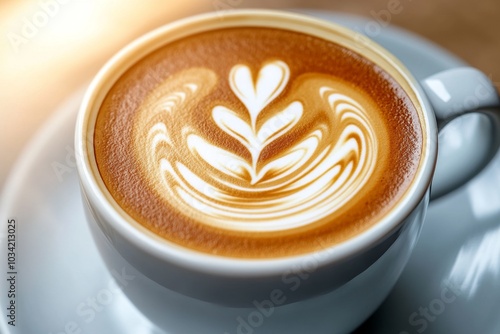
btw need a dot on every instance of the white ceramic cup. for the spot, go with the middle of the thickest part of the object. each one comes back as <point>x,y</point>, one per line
<point>329,291</point>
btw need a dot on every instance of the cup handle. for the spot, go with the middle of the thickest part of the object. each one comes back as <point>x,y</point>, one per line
<point>453,93</point>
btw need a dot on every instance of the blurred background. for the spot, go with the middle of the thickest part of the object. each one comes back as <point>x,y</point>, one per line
<point>50,49</point>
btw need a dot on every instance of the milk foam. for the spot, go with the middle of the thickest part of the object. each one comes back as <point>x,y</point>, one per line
<point>322,160</point>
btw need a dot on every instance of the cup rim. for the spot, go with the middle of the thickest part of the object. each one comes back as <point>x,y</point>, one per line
<point>142,238</point>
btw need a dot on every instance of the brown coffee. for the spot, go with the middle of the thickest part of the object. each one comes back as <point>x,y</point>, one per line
<point>257,142</point>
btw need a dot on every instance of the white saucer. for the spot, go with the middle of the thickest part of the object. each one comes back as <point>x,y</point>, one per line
<point>62,284</point>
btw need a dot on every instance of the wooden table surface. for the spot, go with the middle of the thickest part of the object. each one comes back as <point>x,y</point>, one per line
<point>51,48</point>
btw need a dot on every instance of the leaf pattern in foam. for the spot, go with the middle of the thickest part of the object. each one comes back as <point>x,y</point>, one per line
<point>279,124</point>
<point>220,159</point>
<point>313,177</point>
<point>273,128</point>
<point>295,158</point>
<point>234,126</point>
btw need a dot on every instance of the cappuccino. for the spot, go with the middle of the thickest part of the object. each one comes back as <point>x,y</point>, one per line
<point>256,142</point>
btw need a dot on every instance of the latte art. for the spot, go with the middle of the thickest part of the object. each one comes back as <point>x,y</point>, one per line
<point>313,176</point>
<point>255,142</point>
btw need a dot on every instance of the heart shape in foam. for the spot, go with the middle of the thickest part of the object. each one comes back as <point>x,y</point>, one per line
<point>271,80</point>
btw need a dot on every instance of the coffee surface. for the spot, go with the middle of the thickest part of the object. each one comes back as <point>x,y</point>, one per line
<point>256,142</point>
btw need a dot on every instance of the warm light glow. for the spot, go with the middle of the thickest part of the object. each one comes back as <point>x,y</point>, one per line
<point>49,49</point>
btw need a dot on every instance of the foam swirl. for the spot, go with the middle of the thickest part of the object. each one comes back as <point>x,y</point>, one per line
<point>284,161</point>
